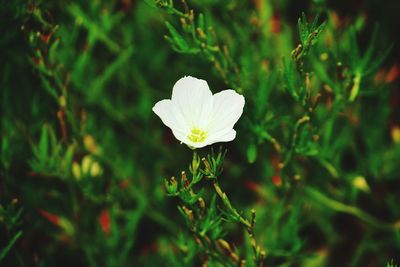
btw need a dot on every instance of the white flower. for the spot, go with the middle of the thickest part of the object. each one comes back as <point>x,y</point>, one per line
<point>196,116</point>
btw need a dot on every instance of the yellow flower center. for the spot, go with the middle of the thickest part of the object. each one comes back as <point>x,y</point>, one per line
<point>197,135</point>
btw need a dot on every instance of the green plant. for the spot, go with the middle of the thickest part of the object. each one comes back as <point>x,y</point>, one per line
<point>310,180</point>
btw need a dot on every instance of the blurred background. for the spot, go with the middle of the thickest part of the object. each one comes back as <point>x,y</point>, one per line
<point>84,158</point>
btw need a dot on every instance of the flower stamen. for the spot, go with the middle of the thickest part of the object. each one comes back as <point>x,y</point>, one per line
<point>197,135</point>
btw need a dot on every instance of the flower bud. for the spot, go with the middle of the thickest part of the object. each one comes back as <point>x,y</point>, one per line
<point>171,186</point>
<point>188,213</point>
<point>185,181</point>
<point>91,167</point>
<point>88,167</point>
<point>360,183</point>
<point>395,132</point>
<point>76,171</point>
<point>90,144</point>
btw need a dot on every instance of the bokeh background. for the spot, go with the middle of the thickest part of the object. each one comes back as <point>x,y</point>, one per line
<point>83,157</point>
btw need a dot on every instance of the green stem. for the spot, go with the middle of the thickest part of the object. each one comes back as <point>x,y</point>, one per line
<point>356,87</point>
<point>331,119</point>
<point>329,167</point>
<point>259,254</point>
<point>90,255</point>
<point>161,219</point>
<point>352,210</point>
<point>291,151</point>
<point>228,204</point>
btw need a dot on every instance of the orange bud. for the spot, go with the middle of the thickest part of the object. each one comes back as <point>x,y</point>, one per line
<point>277,180</point>
<point>276,24</point>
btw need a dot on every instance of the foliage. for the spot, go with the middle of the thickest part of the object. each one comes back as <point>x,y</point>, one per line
<point>311,179</point>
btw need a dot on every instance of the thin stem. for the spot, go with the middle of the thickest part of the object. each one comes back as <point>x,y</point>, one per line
<point>228,204</point>
<point>340,207</point>
<point>259,255</point>
<point>161,219</point>
<point>297,126</point>
<point>356,87</point>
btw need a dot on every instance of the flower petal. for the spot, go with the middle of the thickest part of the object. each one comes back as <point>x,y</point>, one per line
<point>171,118</point>
<point>227,109</point>
<point>224,137</point>
<point>193,99</point>
<point>196,145</point>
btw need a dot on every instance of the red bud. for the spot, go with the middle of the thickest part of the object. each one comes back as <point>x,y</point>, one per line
<point>105,222</point>
<point>277,180</point>
<point>251,185</point>
<point>54,219</point>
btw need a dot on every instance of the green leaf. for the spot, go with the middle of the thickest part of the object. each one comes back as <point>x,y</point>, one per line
<point>4,251</point>
<point>43,146</point>
<point>177,39</point>
<point>48,87</point>
<point>101,81</point>
<point>200,22</point>
<point>291,79</point>
<point>251,153</point>
<point>53,51</point>
<point>93,28</point>
<point>68,158</point>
